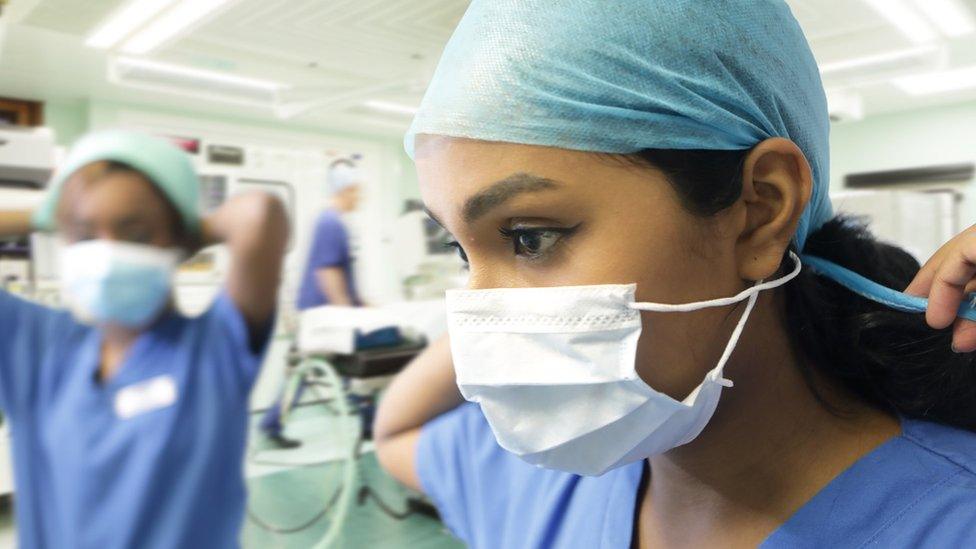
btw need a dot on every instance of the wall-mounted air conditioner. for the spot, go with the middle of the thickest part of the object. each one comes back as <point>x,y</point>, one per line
<point>26,157</point>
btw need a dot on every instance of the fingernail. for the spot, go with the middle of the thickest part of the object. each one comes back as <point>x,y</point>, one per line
<point>955,349</point>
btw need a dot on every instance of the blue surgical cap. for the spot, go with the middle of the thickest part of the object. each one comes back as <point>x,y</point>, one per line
<point>622,76</point>
<point>342,176</point>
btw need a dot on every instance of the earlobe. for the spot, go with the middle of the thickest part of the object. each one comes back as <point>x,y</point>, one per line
<point>776,187</point>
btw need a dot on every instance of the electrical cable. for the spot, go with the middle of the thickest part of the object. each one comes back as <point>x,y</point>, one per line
<point>341,496</point>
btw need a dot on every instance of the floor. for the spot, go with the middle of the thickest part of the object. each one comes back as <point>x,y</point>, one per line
<point>286,495</point>
<point>289,488</point>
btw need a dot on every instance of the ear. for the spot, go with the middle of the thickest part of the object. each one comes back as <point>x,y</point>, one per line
<point>776,186</point>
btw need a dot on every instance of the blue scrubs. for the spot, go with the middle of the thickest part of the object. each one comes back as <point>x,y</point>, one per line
<point>917,490</point>
<point>163,471</point>
<point>330,248</point>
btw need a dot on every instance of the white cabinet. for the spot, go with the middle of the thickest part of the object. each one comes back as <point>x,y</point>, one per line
<point>6,462</point>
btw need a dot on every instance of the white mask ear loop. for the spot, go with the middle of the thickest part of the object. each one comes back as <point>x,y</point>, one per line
<point>730,346</point>
<point>722,301</point>
<point>753,295</point>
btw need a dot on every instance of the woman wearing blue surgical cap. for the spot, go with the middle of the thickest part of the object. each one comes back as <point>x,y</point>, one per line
<point>667,338</point>
<point>129,420</point>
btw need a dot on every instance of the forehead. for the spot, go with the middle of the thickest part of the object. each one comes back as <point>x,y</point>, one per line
<point>452,170</point>
<point>93,191</point>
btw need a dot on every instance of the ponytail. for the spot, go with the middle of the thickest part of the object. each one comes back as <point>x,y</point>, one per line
<point>891,359</point>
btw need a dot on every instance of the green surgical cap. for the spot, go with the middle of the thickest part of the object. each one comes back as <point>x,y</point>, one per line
<point>165,165</point>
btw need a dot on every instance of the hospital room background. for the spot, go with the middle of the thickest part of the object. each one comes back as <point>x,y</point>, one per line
<point>268,94</point>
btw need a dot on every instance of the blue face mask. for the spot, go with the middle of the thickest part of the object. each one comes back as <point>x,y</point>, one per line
<point>113,283</point>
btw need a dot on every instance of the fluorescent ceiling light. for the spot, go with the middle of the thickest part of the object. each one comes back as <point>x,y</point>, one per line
<point>123,22</point>
<point>938,82</point>
<point>175,21</point>
<point>386,106</point>
<point>950,16</point>
<point>905,18</point>
<point>877,59</point>
<point>197,74</point>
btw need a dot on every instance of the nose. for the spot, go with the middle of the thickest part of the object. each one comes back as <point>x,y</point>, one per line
<point>483,276</point>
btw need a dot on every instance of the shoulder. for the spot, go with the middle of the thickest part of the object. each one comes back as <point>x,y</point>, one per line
<point>488,497</point>
<point>955,447</point>
<point>942,512</point>
<point>329,219</point>
<point>35,318</point>
<point>222,334</point>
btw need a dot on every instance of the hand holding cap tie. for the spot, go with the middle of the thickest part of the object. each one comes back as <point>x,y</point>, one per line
<point>947,279</point>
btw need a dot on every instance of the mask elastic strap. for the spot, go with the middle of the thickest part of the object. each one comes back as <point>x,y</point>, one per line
<point>900,301</point>
<point>717,372</point>
<point>723,301</point>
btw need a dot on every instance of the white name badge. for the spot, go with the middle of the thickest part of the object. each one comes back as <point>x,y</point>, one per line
<point>146,396</point>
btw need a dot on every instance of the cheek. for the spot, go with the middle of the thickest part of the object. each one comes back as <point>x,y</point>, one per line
<point>676,350</point>
<point>676,262</point>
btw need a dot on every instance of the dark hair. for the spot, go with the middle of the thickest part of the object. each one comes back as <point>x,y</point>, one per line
<point>890,359</point>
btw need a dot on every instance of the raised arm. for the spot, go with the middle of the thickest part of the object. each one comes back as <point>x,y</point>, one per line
<point>255,228</point>
<point>423,391</point>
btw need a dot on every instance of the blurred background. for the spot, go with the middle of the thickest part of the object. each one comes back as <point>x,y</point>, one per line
<point>268,94</point>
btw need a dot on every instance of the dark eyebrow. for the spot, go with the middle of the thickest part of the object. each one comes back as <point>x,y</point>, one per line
<point>502,191</point>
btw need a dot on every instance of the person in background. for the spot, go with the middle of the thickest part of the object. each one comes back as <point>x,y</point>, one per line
<point>328,277</point>
<point>129,420</point>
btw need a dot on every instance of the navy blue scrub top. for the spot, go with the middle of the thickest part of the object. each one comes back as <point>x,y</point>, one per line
<point>917,490</point>
<point>152,458</point>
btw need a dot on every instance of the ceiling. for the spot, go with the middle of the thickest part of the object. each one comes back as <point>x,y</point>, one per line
<point>336,54</point>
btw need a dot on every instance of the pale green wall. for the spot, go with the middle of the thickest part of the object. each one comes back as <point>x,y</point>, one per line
<point>408,176</point>
<point>68,119</point>
<point>925,137</point>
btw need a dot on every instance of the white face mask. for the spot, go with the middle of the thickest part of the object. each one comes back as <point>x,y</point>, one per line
<point>554,372</point>
<point>105,282</point>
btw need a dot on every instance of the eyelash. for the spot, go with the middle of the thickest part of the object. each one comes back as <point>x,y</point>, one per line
<point>457,246</point>
<point>514,235</point>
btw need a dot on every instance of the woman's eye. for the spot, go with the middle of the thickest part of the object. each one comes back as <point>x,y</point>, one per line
<point>533,243</point>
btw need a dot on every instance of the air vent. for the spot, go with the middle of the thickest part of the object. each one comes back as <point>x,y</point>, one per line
<point>949,173</point>
<point>205,84</point>
<point>883,66</point>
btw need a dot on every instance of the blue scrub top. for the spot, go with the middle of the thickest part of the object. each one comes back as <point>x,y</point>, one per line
<point>330,248</point>
<point>168,476</point>
<point>917,490</point>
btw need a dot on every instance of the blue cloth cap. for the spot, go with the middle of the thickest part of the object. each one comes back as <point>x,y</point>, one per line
<point>632,75</point>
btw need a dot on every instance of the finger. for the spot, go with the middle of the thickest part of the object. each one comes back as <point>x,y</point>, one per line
<point>948,285</point>
<point>964,336</point>
<point>921,285</point>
